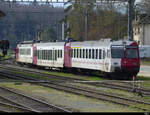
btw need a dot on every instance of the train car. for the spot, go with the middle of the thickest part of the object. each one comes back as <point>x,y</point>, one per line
<point>49,54</point>
<point>24,52</point>
<point>107,56</point>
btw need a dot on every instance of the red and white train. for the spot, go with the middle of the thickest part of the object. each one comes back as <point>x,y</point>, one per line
<point>110,57</point>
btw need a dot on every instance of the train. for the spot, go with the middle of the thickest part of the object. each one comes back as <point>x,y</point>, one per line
<point>120,58</point>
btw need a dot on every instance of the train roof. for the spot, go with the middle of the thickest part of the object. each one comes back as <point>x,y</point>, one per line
<point>51,44</point>
<point>103,43</point>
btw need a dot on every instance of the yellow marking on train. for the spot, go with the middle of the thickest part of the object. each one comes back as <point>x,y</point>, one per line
<point>76,47</point>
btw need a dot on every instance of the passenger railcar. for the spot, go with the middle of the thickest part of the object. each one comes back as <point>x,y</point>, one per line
<point>24,52</point>
<point>49,54</point>
<point>106,56</point>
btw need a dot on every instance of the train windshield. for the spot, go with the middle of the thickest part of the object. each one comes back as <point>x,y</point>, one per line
<point>131,53</point>
<point>117,52</point>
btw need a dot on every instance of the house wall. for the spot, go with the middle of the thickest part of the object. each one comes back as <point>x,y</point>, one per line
<point>146,35</point>
<point>141,33</point>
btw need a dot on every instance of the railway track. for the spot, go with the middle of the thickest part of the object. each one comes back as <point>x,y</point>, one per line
<point>114,84</point>
<point>27,102</point>
<point>90,92</point>
<point>6,107</point>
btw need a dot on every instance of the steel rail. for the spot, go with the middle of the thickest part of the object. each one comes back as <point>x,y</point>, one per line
<point>91,91</point>
<point>95,83</point>
<point>37,109</point>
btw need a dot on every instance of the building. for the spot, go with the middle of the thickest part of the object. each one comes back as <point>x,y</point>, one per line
<point>141,29</point>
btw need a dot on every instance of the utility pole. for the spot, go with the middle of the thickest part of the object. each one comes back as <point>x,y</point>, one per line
<point>130,18</point>
<point>63,30</point>
<point>86,24</point>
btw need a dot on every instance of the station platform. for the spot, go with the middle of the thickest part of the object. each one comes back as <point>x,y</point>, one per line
<point>144,71</point>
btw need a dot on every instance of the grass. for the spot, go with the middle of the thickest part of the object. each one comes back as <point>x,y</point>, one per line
<point>34,76</point>
<point>6,56</point>
<point>142,78</point>
<point>92,78</point>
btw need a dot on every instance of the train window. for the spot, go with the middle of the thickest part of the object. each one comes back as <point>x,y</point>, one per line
<point>100,54</point>
<point>38,54</point>
<point>89,53</point>
<point>50,55</point>
<point>80,53</point>
<point>77,53</point>
<point>131,53</point>
<point>46,54</point>
<point>83,53</point>
<point>74,53</point>
<point>71,52</point>
<point>58,53</point>
<point>43,55</point>
<point>117,52</point>
<point>93,53</point>
<point>28,52</point>
<point>61,53</point>
<point>96,54</point>
<point>55,55</point>
<point>86,53</point>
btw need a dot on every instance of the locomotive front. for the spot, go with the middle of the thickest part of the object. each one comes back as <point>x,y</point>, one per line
<point>125,58</point>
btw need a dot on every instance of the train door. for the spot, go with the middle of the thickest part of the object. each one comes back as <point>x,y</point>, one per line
<point>106,60</point>
<point>34,54</point>
<point>54,57</point>
<point>67,56</point>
